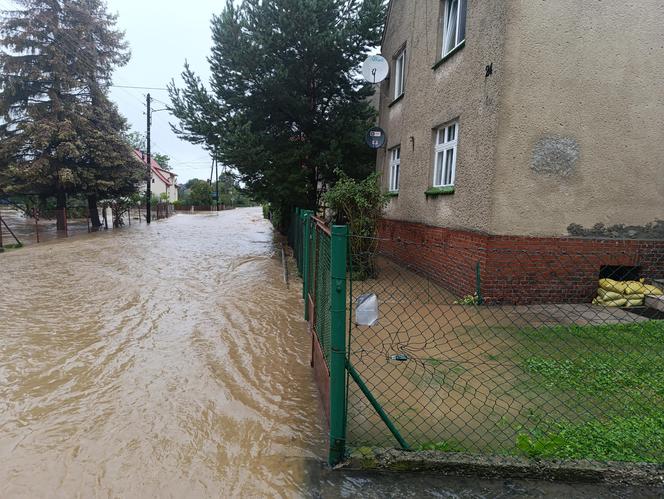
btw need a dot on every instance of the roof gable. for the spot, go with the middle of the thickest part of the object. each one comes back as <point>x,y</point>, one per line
<point>157,170</point>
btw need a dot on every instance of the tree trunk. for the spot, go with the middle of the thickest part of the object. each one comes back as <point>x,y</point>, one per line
<point>105,216</point>
<point>61,211</point>
<point>94,211</point>
<point>312,194</point>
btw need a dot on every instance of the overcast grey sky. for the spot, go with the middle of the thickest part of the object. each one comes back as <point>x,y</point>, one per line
<point>162,34</point>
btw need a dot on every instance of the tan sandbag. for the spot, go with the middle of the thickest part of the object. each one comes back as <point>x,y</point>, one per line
<point>634,297</point>
<point>635,303</point>
<point>636,287</point>
<point>620,302</point>
<point>603,294</point>
<point>649,289</point>
<point>608,284</point>
<point>629,287</point>
<point>620,287</point>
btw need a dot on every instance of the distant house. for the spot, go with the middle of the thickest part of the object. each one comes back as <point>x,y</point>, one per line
<point>527,127</point>
<point>163,181</point>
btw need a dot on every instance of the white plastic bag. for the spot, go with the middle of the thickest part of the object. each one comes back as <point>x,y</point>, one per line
<point>366,310</point>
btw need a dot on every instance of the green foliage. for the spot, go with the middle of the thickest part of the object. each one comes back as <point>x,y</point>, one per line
<point>196,192</point>
<point>625,359</point>
<point>59,132</point>
<point>12,246</point>
<point>286,108</point>
<point>615,369</point>
<point>468,300</point>
<point>200,193</point>
<point>359,203</point>
<point>279,218</point>
<point>163,161</point>
<point>230,191</point>
<point>634,438</point>
<point>138,140</point>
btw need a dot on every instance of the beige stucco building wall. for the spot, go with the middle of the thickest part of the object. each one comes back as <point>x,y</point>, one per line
<point>159,187</point>
<point>568,128</point>
<point>585,75</point>
<point>457,89</point>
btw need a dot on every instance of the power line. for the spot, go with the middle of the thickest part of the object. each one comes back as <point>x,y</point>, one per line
<point>69,45</point>
<point>139,88</point>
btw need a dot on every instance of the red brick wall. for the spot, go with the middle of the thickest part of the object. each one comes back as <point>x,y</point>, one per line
<point>515,269</point>
<point>448,256</point>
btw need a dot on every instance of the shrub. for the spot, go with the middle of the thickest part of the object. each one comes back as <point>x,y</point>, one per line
<point>359,203</point>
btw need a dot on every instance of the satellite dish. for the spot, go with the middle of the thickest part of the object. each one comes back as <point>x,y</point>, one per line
<point>375,69</point>
<point>375,137</point>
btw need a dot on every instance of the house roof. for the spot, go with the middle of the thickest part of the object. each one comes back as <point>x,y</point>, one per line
<point>165,176</point>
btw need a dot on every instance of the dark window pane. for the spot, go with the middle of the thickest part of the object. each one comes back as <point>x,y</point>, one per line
<point>451,132</point>
<point>461,35</point>
<point>448,166</point>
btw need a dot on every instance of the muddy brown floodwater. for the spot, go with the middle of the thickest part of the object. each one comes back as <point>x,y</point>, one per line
<point>172,361</point>
<point>168,360</point>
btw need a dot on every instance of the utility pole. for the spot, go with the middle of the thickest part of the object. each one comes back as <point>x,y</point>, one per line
<point>148,191</point>
<point>216,173</point>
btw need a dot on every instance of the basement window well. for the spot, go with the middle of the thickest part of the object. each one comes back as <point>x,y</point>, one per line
<point>620,272</point>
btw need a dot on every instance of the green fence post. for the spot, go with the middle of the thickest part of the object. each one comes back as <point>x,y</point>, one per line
<point>478,284</point>
<point>302,217</point>
<point>296,242</point>
<point>338,254</point>
<point>305,261</point>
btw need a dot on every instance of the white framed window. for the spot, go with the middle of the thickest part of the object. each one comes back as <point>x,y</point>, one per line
<point>399,73</point>
<point>445,150</point>
<point>395,167</point>
<point>454,24</point>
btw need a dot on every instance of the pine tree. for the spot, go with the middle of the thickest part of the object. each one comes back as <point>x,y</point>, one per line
<point>286,107</point>
<point>60,134</point>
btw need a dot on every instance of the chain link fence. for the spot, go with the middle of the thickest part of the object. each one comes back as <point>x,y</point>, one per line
<point>543,351</point>
<point>310,240</point>
<point>549,354</point>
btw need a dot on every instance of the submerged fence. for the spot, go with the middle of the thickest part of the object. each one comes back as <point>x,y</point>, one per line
<point>553,351</point>
<point>19,226</point>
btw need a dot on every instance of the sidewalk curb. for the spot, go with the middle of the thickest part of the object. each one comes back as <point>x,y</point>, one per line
<point>366,458</point>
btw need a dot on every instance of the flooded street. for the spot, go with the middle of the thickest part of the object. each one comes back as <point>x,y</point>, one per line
<point>172,361</point>
<point>168,360</point>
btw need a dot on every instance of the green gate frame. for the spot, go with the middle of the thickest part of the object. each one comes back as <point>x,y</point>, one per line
<point>340,367</point>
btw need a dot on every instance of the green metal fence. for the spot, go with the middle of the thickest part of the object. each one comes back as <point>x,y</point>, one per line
<point>558,372</point>
<point>552,365</point>
<point>321,255</point>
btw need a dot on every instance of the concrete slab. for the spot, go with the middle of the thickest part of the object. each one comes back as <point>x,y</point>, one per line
<point>656,302</point>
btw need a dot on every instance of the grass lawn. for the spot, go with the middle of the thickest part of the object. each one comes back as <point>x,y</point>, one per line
<point>610,380</point>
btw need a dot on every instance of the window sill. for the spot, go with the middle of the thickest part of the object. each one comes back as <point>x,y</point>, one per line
<point>439,191</point>
<point>449,55</point>
<point>396,100</point>
<point>392,194</point>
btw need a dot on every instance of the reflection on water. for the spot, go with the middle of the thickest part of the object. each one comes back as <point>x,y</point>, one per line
<point>168,361</point>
